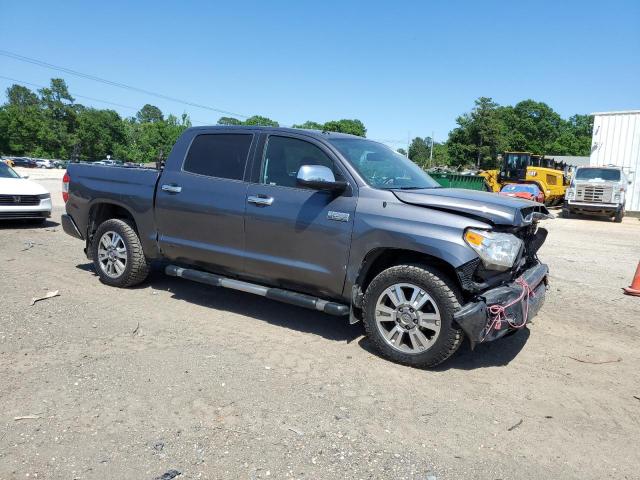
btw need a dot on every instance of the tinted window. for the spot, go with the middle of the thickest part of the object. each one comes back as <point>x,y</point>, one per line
<point>284,157</point>
<point>219,155</point>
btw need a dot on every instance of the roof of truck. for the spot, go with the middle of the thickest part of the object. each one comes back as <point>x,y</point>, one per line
<point>311,133</point>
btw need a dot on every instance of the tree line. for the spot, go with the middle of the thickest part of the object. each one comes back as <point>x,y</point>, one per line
<point>49,123</point>
<point>489,129</point>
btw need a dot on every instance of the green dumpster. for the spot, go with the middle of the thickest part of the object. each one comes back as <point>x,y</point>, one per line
<point>455,180</point>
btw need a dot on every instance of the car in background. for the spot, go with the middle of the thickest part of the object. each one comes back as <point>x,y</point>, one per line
<point>60,164</point>
<point>44,163</point>
<point>526,191</point>
<point>24,162</point>
<point>21,198</point>
<point>109,162</point>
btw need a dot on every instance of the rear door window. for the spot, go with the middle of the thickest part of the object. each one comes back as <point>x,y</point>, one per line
<point>219,155</point>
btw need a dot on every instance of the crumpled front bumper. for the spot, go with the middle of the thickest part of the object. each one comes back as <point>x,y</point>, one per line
<point>476,320</point>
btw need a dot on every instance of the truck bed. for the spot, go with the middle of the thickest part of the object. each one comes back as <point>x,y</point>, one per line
<point>130,188</point>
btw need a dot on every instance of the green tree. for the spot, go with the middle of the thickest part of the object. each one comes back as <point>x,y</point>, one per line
<point>21,97</point>
<point>59,120</point>
<point>100,133</point>
<point>532,126</point>
<point>479,136</point>
<point>149,114</point>
<point>229,121</point>
<point>419,151</point>
<point>310,125</point>
<point>402,151</point>
<point>353,127</point>
<point>261,121</point>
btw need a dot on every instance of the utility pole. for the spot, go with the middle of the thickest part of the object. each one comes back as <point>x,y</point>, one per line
<point>408,142</point>
<point>431,151</point>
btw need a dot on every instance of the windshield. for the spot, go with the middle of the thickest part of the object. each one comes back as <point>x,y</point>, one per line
<point>516,160</point>
<point>381,167</point>
<point>521,188</point>
<point>602,174</point>
<point>7,172</point>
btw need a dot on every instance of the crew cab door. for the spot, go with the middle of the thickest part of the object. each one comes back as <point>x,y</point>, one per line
<point>297,238</point>
<point>200,202</point>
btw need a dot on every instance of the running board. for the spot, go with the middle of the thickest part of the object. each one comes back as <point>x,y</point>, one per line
<point>286,296</point>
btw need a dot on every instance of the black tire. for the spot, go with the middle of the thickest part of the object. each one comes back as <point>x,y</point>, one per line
<point>566,214</point>
<point>619,216</point>
<point>137,266</point>
<point>445,296</point>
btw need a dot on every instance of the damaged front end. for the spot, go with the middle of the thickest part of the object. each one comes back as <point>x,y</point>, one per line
<point>503,309</point>
<point>503,302</point>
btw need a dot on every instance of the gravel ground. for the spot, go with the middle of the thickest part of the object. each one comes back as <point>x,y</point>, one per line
<point>221,384</point>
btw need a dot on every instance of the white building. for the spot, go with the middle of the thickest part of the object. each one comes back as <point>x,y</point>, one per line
<point>616,141</point>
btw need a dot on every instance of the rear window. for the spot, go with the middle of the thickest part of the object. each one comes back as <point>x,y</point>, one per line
<point>219,155</point>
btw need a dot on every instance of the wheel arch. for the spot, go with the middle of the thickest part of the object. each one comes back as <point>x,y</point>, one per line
<point>380,259</point>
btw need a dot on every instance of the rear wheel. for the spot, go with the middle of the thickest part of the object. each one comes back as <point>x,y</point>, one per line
<point>117,254</point>
<point>408,315</point>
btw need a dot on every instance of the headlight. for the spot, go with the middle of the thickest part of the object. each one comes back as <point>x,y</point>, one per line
<point>497,251</point>
<point>571,194</point>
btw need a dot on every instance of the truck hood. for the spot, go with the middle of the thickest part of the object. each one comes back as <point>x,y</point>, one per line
<point>491,207</point>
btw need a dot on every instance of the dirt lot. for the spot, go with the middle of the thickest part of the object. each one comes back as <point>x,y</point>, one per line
<point>222,384</point>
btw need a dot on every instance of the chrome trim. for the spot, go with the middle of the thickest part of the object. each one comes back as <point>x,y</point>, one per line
<point>315,173</point>
<point>171,188</point>
<point>261,201</point>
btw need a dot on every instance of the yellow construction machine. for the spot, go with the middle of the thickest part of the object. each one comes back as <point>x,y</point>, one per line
<point>525,167</point>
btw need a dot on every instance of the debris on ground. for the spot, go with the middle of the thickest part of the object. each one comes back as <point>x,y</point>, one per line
<point>27,246</point>
<point>595,362</point>
<point>296,431</point>
<point>168,475</point>
<point>636,397</point>
<point>513,427</point>
<point>136,330</point>
<point>27,417</point>
<point>55,293</point>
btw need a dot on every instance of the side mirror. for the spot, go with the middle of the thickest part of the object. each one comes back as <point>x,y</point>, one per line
<point>319,177</point>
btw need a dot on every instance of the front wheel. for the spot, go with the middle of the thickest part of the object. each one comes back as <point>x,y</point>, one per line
<point>408,315</point>
<point>118,257</point>
<point>619,216</point>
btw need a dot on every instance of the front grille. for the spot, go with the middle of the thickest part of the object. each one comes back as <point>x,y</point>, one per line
<point>594,194</point>
<point>17,200</point>
<point>8,215</point>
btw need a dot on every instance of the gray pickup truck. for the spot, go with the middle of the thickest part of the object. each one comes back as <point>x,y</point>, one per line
<point>326,221</point>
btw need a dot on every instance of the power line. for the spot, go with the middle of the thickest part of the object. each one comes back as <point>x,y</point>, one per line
<point>22,82</point>
<point>95,78</point>
<point>107,102</point>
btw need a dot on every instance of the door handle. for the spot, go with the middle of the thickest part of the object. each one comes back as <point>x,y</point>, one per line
<point>260,201</point>
<point>171,188</point>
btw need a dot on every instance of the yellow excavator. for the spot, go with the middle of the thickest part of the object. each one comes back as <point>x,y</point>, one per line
<point>525,167</point>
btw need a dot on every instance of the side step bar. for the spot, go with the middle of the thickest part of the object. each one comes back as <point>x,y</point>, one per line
<point>286,296</point>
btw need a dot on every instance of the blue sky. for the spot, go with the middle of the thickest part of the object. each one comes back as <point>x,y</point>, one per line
<point>401,67</point>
